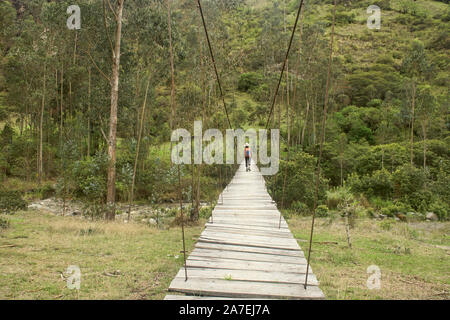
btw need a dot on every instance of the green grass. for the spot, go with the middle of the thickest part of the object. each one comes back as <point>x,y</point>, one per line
<point>46,245</point>
<point>411,264</point>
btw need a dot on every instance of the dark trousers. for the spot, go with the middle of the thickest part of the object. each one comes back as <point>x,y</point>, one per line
<point>247,161</point>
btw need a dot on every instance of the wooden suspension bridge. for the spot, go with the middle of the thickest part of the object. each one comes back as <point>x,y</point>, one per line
<point>244,252</point>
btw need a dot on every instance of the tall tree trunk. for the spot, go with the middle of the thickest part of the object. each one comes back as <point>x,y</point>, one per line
<point>56,94</point>
<point>306,122</point>
<point>424,132</point>
<point>297,66</point>
<point>413,105</point>
<point>112,140</point>
<point>61,104</point>
<point>41,124</point>
<point>141,126</point>
<point>172,91</point>
<point>287,107</point>
<point>313,109</point>
<point>347,228</point>
<point>89,115</point>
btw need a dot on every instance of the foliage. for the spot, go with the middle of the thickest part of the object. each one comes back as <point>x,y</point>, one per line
<point>378,184</point>
<point>300,185</point>
<point>368,126</point>
<point>11,201</point>
<point>249,81</point>
<point>4,223</point>
<point>89,175</point>
<point>322,211</point>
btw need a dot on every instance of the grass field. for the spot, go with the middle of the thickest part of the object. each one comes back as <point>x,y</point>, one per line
<point>414,258</point>
<point>134,261</point>
<point>117,260</point>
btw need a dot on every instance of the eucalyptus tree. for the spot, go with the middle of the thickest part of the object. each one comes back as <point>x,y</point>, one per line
<point>415,67</point>
<point>426,109</point>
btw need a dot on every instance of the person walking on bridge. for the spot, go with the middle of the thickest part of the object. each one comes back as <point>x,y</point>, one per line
<point>247,155</point>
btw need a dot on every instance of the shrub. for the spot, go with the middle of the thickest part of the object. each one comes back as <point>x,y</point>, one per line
<point>343,18</point>
<point>441,209</point>
<point>89,177</point>
<point>299,207</point>
<point>248,81</point>
<point>47,191</point>
<point>408,185</point>
<point>300,186</point>
<point>393,208</point>
<point>337,196</point>
<point>379,184</point>
<point>205,212</point>
<point>383,4</point>
<point>11,201</point>
<point>386,225</point>
<point>4,223</point>
<point>322,211</point>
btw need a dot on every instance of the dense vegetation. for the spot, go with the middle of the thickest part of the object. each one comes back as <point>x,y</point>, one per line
<point>387,137</point>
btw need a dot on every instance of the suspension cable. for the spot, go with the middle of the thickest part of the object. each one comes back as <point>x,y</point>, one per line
<point>214,63</point>
<point>322,138</point>
<point>284,63</point>
<point>172,98</point>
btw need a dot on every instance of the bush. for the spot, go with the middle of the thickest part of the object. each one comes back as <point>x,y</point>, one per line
<point>205,212</point>
<point>47,191</point>
<point>322,211</point>
<point>299,186</point>
<point>300,208</point>
<point>386,225</point>
<point>4,223</point>
<point>337,196</point>
<point>379,184</point>
<point>393,208</point>
<point>343,18</point>
<point>249,81</point>
<point>89,177</point>
<point>408,185</point>
<point>442,210</point>
<point>383,4</point>
<point>11,201</point>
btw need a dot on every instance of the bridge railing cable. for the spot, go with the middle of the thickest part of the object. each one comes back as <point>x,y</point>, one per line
<point>284,64</point>
<point>214,63</point>
<point>322,140</point>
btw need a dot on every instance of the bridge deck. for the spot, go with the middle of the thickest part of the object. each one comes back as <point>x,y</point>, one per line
<point>242,253</point>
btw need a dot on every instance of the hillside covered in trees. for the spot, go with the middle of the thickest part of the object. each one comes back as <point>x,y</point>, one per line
<point>386,150</point>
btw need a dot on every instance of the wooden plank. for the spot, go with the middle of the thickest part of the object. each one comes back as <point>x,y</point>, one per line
<point>244,238</point>
<point>199,252</point>
<point>243,253</point>
<point>245,222</point>
<point>248,243</point>
<point>245,289</point>
<point>185,297</point>
<point>249,232</point>
<point>220,263</point>
<point>248,275</point>
<point>245,227</point>
<point>250,249</point>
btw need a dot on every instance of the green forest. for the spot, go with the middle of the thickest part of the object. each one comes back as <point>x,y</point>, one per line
<point>86,114</point>
<point>387,141</point>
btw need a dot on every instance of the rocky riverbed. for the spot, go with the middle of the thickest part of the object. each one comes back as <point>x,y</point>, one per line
<point>142,213</point>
